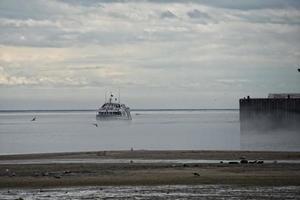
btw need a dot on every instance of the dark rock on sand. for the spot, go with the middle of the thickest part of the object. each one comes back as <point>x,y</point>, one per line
<point>196,174</point>
<point>244,161</point>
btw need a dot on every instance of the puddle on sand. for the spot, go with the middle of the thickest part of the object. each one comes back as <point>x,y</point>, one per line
<point>155,192</point>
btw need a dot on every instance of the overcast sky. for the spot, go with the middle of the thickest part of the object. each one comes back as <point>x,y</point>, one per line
<point>65,54</point>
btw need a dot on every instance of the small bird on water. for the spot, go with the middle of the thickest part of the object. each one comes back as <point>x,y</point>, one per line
<point>33,119</point>
<point>95,124</point>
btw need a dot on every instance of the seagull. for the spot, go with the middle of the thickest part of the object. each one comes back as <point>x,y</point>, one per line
<point>33,119</point>
<point>95,124</point>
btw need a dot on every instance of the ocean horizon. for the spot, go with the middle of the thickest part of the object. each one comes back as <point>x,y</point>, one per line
<point>134,109</point>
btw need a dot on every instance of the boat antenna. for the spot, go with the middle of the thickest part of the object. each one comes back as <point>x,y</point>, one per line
<point>110,97</point>
<point>105,97</point>
<point>119,95</point>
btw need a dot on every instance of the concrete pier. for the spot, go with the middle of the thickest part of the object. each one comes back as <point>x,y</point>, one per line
<point>268,123</point>
<point>269,113</point>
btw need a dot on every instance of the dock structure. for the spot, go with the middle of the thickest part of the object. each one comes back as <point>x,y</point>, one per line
<point>278,111</point>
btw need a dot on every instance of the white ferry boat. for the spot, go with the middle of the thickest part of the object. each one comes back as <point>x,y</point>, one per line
<point>113,110</point>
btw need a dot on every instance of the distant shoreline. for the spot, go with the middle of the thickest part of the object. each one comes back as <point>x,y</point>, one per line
<point>134,110</point>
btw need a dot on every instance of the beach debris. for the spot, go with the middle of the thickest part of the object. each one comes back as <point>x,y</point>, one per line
<point>33,119</point>
<point>45,174</point>
<point>233,162</point>
<point>221,162</point>
<point>67,172</point>
<point>260,162</point>
<point>275,161</point>
<point>12,174</point>
<point>244,161</point>
<point>36,174</point>
<point>9,173</point>
<point>185,165</point>
<point>196,174</point>
<point>20,198</point>
<point>131,161</point>
<point>57,176</point>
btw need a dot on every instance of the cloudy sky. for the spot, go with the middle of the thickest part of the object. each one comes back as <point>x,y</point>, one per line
<point>65,54</point>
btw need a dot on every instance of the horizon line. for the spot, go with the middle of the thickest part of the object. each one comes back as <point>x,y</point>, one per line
<point>135,109</point>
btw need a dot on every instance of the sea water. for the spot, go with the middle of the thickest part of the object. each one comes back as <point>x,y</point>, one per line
<point>68,131</point>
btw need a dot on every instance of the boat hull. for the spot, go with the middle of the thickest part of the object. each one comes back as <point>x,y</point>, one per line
<point>106,118</point>
<point>124,116</point>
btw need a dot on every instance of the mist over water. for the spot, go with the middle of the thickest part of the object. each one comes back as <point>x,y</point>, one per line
<point>279,131</point>
<point>148,130</point>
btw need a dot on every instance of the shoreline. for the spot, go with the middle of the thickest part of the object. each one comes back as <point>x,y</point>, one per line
<point>132,174</point>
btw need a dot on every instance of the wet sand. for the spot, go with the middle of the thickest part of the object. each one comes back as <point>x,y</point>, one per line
<point>131,173</point>
<point>178,192</point>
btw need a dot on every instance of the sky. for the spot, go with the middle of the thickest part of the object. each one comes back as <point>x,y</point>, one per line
<point>66,54</point>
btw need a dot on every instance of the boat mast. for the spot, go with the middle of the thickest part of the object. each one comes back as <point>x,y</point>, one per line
<point>119,96</point>
<point>110,97</point>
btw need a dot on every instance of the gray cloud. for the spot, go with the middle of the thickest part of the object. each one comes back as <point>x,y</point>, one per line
<point>33,9</point>
<point>85,68</point>
<point>240,4</point>
<point>237,4</point>
<point>198,14</point>
<point>150,44</point>
<point>271,17</point>
<point>167,14</point>
<point>88,3</point>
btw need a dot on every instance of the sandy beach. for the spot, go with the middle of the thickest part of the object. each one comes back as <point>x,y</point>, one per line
<point>56,173</point>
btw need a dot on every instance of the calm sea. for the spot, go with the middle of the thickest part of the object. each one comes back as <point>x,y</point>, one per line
<point>66,131</point>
